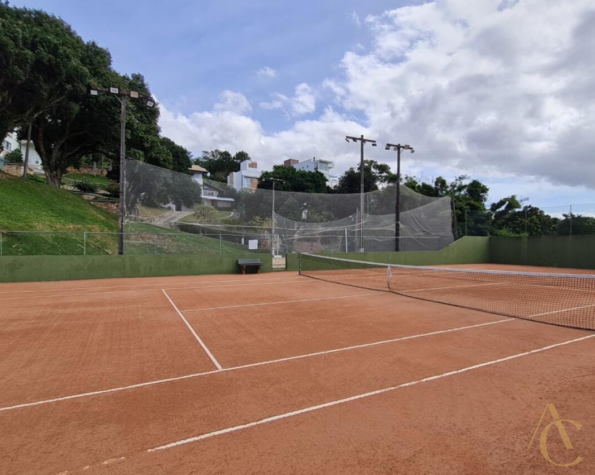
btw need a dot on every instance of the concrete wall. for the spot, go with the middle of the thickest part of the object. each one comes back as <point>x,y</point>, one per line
<point>48,268</point>
<point>576,252</point>
<point>467,250</point>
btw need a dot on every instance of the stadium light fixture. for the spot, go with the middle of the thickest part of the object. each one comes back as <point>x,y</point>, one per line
<point>398,148</point>
<point>123,97</point>
<point>363,141</point>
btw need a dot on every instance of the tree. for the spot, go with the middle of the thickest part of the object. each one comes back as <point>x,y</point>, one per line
<point>181,158</point>
<point>293,180</point>
<point>375,174</point>
<point>16,156</point>
<point>220,163</point>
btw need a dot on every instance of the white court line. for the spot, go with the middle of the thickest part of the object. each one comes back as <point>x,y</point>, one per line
<point>204,347</point>
<point>160,284</point>
<point>281,302</point>
<point>252,365</point>
<point>270,282</point>
<point>451,287</point>
<point>358,397</point>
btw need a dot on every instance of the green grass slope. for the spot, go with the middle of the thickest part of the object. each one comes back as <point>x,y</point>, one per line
<point>76,226</point>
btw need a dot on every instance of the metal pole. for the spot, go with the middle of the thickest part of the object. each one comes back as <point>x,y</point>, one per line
<point>219,243</point>
<point>123,101</point>
<point>26,165</point>
<point>1,236</point>
<point>525,220</point>
<point>273,225</point>
<point>398,203</point>
<point>346,242</point>
<point>465,222</point>
<point>570,218</point>
<point>84,244</point>
<point>361,205</point>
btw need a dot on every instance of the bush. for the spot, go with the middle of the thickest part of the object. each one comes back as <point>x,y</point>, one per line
<point>206,214</point>
<point>16,156</point>
<point>113,189</point>
<point>86,187</point>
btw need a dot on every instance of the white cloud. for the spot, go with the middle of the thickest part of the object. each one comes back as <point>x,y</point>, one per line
<point>494,88</point>
<point>303,101</point>
<point>355,18</point>
<point>233,102</point>
<point>267,72</point>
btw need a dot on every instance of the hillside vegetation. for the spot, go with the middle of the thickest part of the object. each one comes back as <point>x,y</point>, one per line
<point>58,222</point>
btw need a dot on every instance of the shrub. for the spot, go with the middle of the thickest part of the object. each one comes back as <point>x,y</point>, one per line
<point>86,187</point>
<point>206,214</point>
<point>16,156</point>
<point>113,189</point>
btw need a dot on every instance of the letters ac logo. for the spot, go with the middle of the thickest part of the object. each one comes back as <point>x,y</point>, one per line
<point>559,423</point>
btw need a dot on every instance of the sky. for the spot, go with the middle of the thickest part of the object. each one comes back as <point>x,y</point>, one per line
<point>499,90</point>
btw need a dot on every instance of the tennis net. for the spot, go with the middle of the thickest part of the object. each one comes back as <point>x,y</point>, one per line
<point>559,299</point>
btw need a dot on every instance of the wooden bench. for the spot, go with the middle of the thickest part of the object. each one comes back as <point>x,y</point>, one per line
<point>244,263</point>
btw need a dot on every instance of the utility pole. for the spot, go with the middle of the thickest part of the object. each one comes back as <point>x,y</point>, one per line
<point>398,148</point>
<point>362,141</point>
<point>123,97</point>
<point>274,180</point>
<point>26,165</point>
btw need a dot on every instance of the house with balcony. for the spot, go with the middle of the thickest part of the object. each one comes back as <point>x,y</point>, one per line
<point>247,178</point>
<point>314,164</point>
<point>211,194</point>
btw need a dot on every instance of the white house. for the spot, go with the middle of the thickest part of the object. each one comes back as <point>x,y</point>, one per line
<point>11,143</point>
<point>323,166</point>
<point>246,178</point>
<point>210,194</point>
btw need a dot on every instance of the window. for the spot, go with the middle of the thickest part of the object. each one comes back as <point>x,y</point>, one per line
<point>7,145</point>
<point>247,182</point>
<point>323,166</point>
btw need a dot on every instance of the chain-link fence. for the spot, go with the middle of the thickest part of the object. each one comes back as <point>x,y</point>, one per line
<point>27,243</point>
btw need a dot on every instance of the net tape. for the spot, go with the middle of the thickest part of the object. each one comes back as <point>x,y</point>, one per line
<point>559,299</point>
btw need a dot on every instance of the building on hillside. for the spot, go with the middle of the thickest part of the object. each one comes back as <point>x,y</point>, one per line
<point>323,166</point>
<point>246,178</point>
<point>11,143</point>
<point>211,194</point>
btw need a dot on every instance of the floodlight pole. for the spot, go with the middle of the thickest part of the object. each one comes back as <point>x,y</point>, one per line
<point>123,97</point>
<point>274,180</point>
<point>124,102</point>
<point>362,179</point>
<point>398,148</point>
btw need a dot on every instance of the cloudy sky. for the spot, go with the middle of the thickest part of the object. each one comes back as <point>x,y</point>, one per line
<point>501,90</point>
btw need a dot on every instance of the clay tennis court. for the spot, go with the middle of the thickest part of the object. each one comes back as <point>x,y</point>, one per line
<point>281,373</point>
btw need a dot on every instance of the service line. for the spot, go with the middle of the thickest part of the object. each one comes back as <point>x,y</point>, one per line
<point>252,365</point>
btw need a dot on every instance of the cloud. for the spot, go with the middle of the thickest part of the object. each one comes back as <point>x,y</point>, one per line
<point>497,88</point>
<point>267,72</point>
<point>303,101</point>
<point>233,102</point>
<point>355,18</point>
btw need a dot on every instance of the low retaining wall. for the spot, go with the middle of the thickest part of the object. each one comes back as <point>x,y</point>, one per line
<point>467,250</point>
<point>49,268</point>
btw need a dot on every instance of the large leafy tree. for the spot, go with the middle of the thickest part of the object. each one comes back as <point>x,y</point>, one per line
<point>293,180</point>
<point>375,175</point>
<point>220,163</point>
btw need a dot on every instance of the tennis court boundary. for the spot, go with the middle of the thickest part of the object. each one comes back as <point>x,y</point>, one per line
<point>361,396</point>
<point>251,365</point>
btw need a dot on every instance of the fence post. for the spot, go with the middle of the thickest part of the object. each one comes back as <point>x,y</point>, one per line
<point>465,222</point>
<point>570,218</point>
<point>84,243</point>
<point>155,243</point>
<point>1,235</point>
<point>346,242</point>
<point>219,243</point>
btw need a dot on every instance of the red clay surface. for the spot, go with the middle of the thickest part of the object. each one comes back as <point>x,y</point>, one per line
<point>64,340</point>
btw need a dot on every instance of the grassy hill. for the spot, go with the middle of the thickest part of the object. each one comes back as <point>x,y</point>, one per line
<point>75,225</point>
